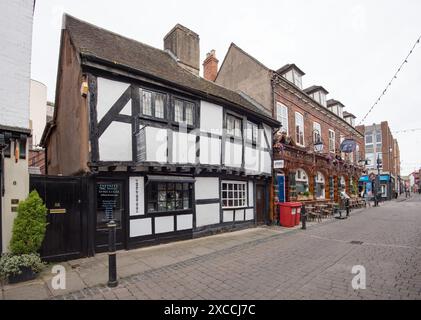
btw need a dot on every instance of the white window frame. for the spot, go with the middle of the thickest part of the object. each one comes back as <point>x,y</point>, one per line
<point>317,127</point>
<point>282,116</point>
<point>242,194</point>
<point>300,125</point>
<point>332,138</point>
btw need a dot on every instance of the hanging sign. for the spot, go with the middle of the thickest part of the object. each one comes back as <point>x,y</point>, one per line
<point>278,164</point>
<point>348,146</point>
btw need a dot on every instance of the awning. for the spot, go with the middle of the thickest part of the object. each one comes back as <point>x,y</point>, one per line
<point>384,177</point>
<point>175,179</point>
<point>364,179</point>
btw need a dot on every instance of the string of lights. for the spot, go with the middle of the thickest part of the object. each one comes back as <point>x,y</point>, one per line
<point>390,82</point>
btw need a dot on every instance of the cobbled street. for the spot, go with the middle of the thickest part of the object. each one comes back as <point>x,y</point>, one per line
<point>301,264</point>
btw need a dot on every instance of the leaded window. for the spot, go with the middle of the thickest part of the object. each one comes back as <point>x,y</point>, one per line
<point>169,196</point>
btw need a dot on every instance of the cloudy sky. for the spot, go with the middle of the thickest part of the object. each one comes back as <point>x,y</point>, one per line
<point>352,48</point>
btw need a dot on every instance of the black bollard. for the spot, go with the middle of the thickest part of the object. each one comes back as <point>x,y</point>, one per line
<point>303,218</point>
<point>112,261</point>
<point>347,207</point>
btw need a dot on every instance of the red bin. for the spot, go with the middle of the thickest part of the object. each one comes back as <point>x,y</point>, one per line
<point>289,213</point>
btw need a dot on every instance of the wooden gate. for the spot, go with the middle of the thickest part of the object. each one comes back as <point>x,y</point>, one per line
<point>67,230</point>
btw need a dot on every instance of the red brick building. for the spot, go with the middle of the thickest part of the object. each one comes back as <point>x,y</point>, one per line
<point>307,119</point>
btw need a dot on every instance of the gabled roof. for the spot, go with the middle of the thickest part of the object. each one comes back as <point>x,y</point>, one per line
<point>332,102</point>
<point>347,115</point>
<point>288,67</point>
<point>95,43</point>
<point>312,89</point>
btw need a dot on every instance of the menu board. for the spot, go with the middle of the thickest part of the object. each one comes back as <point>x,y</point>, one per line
<point>109,199</point>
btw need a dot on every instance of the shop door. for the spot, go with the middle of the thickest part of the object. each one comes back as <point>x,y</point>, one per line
<point>281,188</point>
<point>260,203</point>
<point>110,204</point>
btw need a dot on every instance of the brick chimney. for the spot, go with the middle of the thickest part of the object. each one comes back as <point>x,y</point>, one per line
<point>184,44</point>
<point>210,66</point>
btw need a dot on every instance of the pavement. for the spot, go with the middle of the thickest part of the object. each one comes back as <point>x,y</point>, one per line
<point>269,262</point>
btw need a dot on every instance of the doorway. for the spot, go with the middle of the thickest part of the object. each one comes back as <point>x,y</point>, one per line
<point>260,204</point>
<point>110,205</point>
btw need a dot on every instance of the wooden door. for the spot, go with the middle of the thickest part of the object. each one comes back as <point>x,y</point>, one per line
<point>260,203</point>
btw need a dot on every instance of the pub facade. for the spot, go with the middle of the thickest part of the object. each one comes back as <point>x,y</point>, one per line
<point>168,154</point>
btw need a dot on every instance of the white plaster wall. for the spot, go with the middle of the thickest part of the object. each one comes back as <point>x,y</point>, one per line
<point>207,214</point>
<point>211,117</point>
<point>239,215</point>
<point>228,216</point>
<point>37,110</point>
<point>251,194</point>
<point>16,18</point>
<point>184,147</point>
<point>156,144</point>
<point>164,224</point>
<point>210,151</point>
<point>108,93</point>
<point>115,144</point>
<point>16,184</point>
<point>140,227</point>
<point>137,196</point>
<point>184,222</point>
<point>251,161</point>
<point>249,214</point>
<point>233,154</point>
<point>206,188</point>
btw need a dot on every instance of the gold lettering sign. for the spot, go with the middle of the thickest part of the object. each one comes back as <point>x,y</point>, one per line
<point>57,210</point>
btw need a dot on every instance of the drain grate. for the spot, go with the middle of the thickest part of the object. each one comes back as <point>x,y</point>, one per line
<point>356,242</point>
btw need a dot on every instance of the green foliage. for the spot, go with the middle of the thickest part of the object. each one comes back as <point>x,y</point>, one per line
<point>29,225</point>
<point>11,264</point>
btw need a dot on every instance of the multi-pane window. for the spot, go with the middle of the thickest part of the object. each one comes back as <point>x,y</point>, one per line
<point>301,181</point>
<point>299,128</point>
<point>234,194</point>
<point>183,112</point>
<point>317,130</point>
<point>282,116</point>
<point>331,141</point>
<point>169,196</point>
<point>233,126</point>
<point>369,138</point>
<point>252,132</point>
<point>153,104</point>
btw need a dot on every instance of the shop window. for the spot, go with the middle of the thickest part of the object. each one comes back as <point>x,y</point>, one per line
<point>169,196</point>
<point>301,181</point>
<point>234,194</point>
<point>320,186</point>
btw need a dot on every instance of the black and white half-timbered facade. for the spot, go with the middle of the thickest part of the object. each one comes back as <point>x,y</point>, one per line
<point>169,154</point>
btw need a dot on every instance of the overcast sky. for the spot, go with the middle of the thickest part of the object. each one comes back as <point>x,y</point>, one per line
<point>352,48</point>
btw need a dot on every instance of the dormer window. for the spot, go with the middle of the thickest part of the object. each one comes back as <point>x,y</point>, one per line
<point>336,107</point>
<point>318,94</point>
<point>293,74</point>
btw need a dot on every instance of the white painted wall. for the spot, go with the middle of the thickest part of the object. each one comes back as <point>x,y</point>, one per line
<point>251,194</point>
<point>251,159</point>
<point>207,214</point>
<point>137,196</point>
<point>228,215</point>
<point>115,144</point>
<point>233,154</point>
<point>16,18</point>
<point>37,110</point>
<point>184,147</point>
<point>249,214</point>
<point>210,151</point>
<point>140,227</point>
<point>206,188</point>
<point>156,144</point>
<point>265,162</point>
<point>239,215</point>
<point>16,183</point>
<point>184,222</point>
<point>108,93</point>
<point>211,117</point>
<point>164,224</point>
